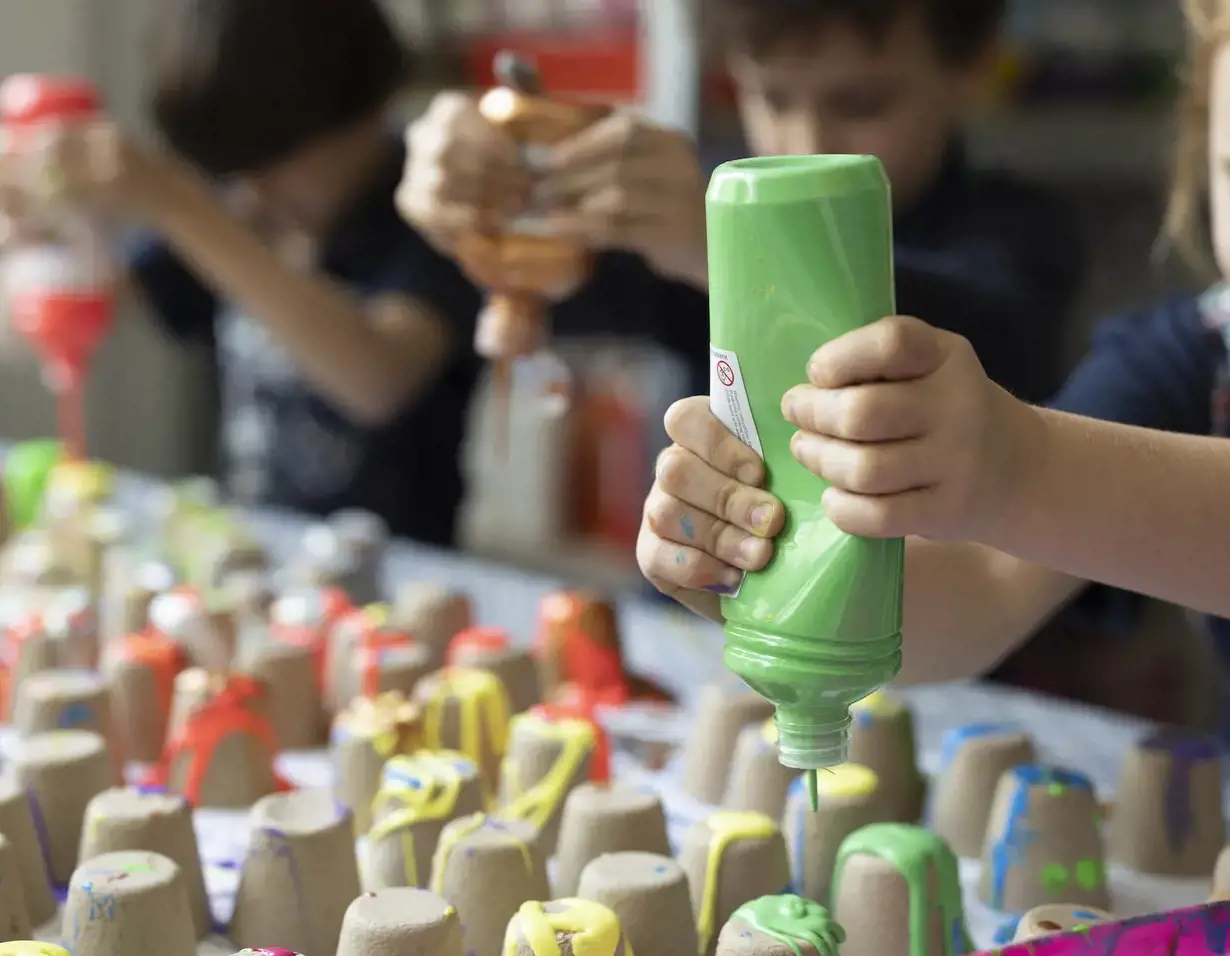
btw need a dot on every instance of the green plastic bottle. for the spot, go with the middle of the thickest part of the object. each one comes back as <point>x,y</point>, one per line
<point>800,252</point>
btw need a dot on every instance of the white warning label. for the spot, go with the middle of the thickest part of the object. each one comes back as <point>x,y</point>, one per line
<point>728,398</point>
<point>728,401</point>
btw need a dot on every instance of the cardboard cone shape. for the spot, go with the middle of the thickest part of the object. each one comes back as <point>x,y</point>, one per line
<point>140,671</point>
<point>487,868</point>
<point>780,926</point>
<point>292,702</point>
<point>28,840</point>
<point>433,614</point>
<point>758,781</point>
<point>418,796</point>
<point>467,711</point>
<point>132,903</point>
<point>62,771</point>
<point>1044,842</point>
<point>723,712</point>
<point>64,700</point>
<point>490,649</point>
<point>299,875</point>
<point>604,818</point>
<point>126,819</point>
<point>897,889</point>
<point>848,800</point>
<point>365,736</point>
<point>583,926</point>
<point>731,858</point>
<point>1168,817</point>
<point>14,917</point>
<point>882,738</point>
<point>649,894</point>
<point>400,922</point>
<point>547,758</point>
<point>972,760</point>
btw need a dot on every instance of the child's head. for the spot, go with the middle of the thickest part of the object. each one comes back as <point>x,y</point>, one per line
<point>1202,158</point>
<point>283,97</point>
<point>886,77</point>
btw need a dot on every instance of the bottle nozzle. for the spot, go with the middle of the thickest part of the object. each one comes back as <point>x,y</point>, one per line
<point>813,740</point>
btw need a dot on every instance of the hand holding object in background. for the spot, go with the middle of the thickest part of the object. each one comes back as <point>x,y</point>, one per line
<point>626,183</point>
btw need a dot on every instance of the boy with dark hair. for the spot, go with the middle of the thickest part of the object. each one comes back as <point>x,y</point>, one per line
<point>343,339</point>
<point>985,254</point>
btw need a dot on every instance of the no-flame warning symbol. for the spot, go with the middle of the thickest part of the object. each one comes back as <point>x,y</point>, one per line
<point>726,375</point>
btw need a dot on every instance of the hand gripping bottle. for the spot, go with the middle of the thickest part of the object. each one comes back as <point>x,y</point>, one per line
<point>57,278</point>
<point>800,252</point>
<point>523,268</point>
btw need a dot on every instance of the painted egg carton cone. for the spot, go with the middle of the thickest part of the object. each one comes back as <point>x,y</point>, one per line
<point>221,745</point>
<point>140,669</point>
<point>784,925</point>
<point>418,797</point>
<point>203,625</point>
<point>579,924</point>
<point>396,921</point>
<point>547,758</point>
<point>889,879</point>
<point>433,613</point>
<point>367,734</point>
<point>730,858</point>
<point>307,616</point>
<point>492,649</point>
<point>369,656</point>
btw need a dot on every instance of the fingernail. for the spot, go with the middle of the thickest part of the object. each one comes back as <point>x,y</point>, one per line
<point>788,403</point>
<point>729,584</point>
<point>762,517</point>
<point>796,444</point>
<point>750,550</point>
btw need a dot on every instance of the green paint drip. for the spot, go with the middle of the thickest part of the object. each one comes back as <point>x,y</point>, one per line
<point>909,849</point>
<point>813,790</point>
<point>793,921</point>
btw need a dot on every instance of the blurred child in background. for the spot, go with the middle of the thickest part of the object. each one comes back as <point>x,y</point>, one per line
<point>1016,508</point>
<point>988,256</point>
<point>342,338</point>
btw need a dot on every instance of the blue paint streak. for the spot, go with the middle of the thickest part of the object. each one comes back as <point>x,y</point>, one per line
<point>958,737</point>
<point>1185,751</point>
<point>1006,931</point>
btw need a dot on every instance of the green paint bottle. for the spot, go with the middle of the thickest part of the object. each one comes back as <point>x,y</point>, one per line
<point>800,252</point>
<point>27,472</point>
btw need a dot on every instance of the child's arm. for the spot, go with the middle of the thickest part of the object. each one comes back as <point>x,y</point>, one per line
<point>370,358</point>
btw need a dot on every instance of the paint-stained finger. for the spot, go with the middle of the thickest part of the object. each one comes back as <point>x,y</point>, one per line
<point>679,523</point>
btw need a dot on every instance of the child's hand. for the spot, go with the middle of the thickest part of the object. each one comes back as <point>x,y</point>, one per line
<point>914,437</point>
<point>626,183</point>
<point>706,519</point>
<point>91,164</point>
<point>462,175</point>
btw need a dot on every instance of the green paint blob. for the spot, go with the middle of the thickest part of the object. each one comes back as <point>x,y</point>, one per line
<point>27,470</point>
<point>800,253</point>
<point>910,850</point>
<point>793,921</point>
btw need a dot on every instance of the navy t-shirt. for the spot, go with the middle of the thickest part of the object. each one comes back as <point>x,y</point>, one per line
<point>284,444</point>
<point>1165,369</point>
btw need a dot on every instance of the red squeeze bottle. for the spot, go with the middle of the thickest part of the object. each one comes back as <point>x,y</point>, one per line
<point>57,278</point>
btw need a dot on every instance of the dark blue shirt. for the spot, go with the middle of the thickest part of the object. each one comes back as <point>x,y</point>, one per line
<point>284,444</point>
<point>1165,369</point>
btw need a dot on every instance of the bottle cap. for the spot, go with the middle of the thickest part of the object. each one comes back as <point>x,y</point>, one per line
<point>792,179</point>
<point>813,739</point>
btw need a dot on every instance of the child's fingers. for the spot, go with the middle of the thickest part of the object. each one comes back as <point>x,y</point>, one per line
<point>672,520</point>
<point>895,348</point>
<point>887,516</point>
<point>691,424</point>
<point>674,567</point>
<point>885,411</point>
<point>683,475</point>
<point>883,469</point>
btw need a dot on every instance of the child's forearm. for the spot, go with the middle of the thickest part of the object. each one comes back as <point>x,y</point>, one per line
<point>368,360</point>
<point>967,606</point>
<point>1142,510</point>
